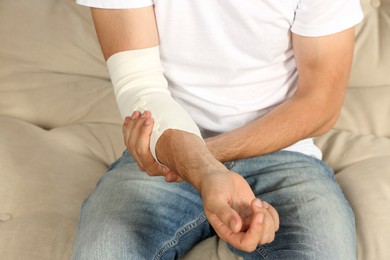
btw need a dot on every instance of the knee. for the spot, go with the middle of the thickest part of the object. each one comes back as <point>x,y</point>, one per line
<point>318,220</point>
<point>109,236</point>
<point>328,225</point>
<point>100,238</point>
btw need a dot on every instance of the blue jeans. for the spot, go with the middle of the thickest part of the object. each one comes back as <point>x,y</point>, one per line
<point>133,216</point>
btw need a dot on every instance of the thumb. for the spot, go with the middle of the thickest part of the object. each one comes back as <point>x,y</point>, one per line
<point>171,176</point>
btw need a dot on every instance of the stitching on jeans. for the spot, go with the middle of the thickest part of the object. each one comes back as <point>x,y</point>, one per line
<point>179,235</point>
<point>230,164</point>
<point>262,252</point>
<point>116,162</point>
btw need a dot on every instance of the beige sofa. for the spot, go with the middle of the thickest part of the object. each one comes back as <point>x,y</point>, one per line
<point>60,129</point>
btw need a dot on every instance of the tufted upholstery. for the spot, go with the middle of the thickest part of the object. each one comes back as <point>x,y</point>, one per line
<point>60,129</point>
<point>359,145</point>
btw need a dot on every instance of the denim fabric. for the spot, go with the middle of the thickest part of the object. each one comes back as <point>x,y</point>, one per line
<point>133,216</point>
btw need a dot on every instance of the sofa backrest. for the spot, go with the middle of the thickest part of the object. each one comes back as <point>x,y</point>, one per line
<point>52,71</point>
<point>367,106</point>
<point>371,66</point>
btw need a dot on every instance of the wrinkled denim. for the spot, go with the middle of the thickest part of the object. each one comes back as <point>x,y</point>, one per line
<point>133,216</point>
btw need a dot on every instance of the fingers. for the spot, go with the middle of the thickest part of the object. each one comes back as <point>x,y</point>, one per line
<point>137,130</point>
<point>140,138</point>
<point>260,231</point>
<point>268,218</point>
<point>130,133</point>
<point>274,214</point>
<point>128,126</point>
<point>263,217</point>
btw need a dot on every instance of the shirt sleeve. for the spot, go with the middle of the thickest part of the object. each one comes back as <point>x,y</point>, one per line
<point>323,17</point>
<point>115,4</point>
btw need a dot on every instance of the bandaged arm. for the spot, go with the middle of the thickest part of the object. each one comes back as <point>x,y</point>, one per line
<point>140,85</point>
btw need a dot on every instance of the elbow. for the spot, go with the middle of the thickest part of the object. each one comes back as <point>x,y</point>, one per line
<point>327,123</point>
<point>323,130</point>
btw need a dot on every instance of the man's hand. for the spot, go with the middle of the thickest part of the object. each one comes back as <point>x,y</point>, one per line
<point>236,215</point>
<point>136,132</point>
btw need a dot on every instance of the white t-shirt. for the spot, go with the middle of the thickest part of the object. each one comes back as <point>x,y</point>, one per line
<point>228,62</point>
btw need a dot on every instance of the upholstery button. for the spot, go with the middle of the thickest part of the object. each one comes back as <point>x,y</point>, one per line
<point>4,217</point>
<point>376,3</point>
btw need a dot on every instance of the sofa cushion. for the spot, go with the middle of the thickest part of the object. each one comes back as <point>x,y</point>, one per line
<point>44,177</point>
<point>342,149</point>
<point>366,185</point>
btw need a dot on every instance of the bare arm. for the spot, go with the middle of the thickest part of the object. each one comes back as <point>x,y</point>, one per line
<point>130,29</point>
<point>127,29</point>
<point>324,65</point>
<point>187,154</point>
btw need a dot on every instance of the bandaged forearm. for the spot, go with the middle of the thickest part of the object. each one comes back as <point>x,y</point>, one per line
<point>140,85</point>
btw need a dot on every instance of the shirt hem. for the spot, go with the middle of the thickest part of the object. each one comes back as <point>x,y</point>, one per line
<point>328,29</point>
<point>115,5</point>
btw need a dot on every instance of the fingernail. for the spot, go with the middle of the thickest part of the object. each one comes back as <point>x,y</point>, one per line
<point>258,203</point>
<point>143,115</point>
<point>266,204</point>
<point>134,115</point>
<point>127,119</point>
<point>148,122</point>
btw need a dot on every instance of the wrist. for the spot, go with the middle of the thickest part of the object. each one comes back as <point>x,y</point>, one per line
<point>187,155</point>
<point>212,146</point>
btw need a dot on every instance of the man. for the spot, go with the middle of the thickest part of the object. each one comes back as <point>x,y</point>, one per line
<point>252,82</point>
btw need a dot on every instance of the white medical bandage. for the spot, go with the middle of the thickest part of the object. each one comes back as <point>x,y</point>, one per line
<point>140,85</point>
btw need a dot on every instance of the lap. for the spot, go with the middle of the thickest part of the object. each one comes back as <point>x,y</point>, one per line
<point>316,221</point>
<point>133,216</point>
